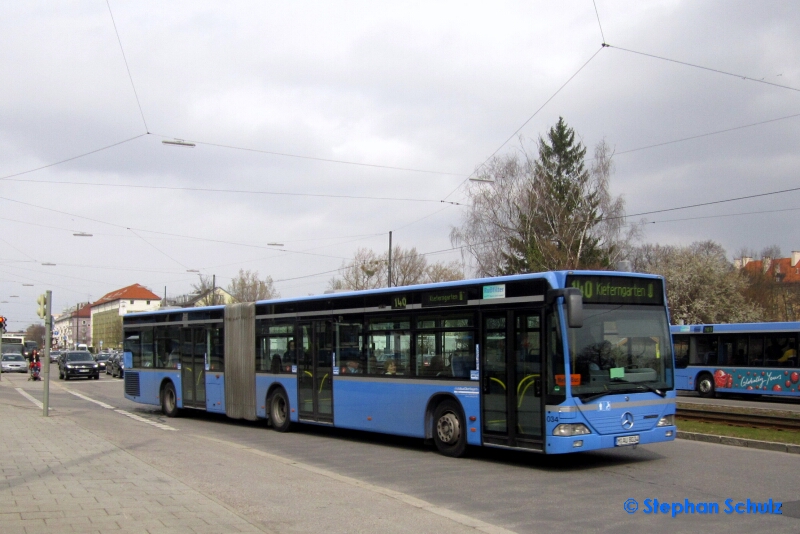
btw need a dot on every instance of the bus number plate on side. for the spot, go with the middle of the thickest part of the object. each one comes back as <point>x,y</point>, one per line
<point>627,440</point>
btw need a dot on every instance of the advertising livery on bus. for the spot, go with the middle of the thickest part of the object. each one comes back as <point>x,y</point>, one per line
<point>751,358</point>
<point>555,362</point>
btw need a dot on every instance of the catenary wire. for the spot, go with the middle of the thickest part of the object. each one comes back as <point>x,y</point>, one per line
<point>221,190</point>
<point>525,123</point>
<point>314,158</point>
<point>602,35</point>
<point>746,78</point>
<point>706,134</point>
<point>141,111</point>
<point>71,158</point>
<point>702,204</point>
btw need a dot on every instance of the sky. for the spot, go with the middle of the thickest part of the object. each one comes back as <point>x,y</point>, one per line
<point>320,127</point>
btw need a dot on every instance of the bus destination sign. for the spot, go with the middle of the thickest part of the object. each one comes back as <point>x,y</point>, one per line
<point>446,298</point>
<point>618,290</point>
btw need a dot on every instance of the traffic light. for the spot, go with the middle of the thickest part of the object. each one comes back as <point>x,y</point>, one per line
<point>3,323</point>
<point>42,302</point>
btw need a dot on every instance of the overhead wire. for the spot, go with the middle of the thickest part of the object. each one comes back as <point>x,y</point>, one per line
<point>708,134</point>
<point>9,176</point>
<point>718,71</point>
<point>409,169</point>
<point>127,67</point>
<point>747,197</point>
<point>602,35</point>
<point>315,158</point>
<point>222,190</point>
<point>723,215</point>
<point>158,249</point>
<point>526,122</point>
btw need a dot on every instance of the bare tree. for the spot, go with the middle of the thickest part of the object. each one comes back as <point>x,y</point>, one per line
<point>408,267</point>
<point>248,287</point>
<point>545,211</point>
<point>204,284</point>
<point>444,272</point>
<point>369,270</point>
<point>35,332</point>
<point>702,285</point>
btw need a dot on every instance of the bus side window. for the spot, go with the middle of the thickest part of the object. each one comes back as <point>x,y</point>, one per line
<point>681,351</point>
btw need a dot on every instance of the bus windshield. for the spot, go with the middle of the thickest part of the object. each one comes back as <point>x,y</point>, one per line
<point>620,348</point>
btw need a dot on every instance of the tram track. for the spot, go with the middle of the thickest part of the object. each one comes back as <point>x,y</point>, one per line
<point>754,420</point>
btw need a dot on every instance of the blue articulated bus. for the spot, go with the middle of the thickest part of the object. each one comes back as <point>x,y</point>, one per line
<point>555,362</point>
<point>747,358</point>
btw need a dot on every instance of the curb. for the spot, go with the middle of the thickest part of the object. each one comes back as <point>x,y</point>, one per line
<point>741,442</point>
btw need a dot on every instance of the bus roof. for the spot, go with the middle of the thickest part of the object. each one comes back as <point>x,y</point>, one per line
<point>730,328</point>
<point>556,279</point>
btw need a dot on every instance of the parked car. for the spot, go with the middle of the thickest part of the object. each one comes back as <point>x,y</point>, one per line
<point>117,365</point>
<point>76,363</point>
<point>102,361</point>
<point>14,362</point>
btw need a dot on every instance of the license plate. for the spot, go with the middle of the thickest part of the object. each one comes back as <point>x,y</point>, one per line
<point>627,440</point>
<point>84,370</point>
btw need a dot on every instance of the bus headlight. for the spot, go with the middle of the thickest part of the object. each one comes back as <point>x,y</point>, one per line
<point>667,420</point>
<point>572,429</point>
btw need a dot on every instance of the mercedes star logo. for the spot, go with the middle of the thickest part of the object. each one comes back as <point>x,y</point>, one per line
<point>627,420</point>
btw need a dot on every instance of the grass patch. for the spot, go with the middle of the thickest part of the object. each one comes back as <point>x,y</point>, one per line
<point>734,431</point>
<point>727,408</point>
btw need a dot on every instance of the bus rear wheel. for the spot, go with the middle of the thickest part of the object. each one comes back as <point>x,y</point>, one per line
<point>169,401</point>
<point>450,430</point>
<point>705,385</point>
<point>279,411</point>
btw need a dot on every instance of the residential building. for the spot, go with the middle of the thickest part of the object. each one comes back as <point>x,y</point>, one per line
<point>107,312</point>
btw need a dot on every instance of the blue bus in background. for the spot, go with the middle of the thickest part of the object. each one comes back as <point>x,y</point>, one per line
<point>747,358</point>
<point>555,362</point>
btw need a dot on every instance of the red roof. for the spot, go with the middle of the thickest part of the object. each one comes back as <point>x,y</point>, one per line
<point>84,311</point>
<point>780,269</point>
<point>134,292</point>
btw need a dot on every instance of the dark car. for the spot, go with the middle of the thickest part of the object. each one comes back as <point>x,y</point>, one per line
<point>117,365</point>
<point>102,361</point>
<point>76,363</point>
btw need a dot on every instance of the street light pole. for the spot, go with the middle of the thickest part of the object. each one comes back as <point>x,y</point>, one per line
<point>48,328</point>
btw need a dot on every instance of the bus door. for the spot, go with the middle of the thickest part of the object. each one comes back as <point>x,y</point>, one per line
<point>511,379</point>
<point>193,367</point>
<point>314,370</point>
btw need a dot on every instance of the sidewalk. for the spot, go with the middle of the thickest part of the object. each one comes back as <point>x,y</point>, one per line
<point>57,477</point>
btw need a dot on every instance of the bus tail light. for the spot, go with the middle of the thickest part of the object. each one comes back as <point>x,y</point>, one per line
<point>572,429</point>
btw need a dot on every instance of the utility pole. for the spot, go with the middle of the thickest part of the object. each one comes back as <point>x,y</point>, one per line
<point>390,260</point>
<point>1,346</point>
<point>44,302</point>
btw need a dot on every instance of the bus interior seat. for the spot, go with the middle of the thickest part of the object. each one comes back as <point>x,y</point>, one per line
<point>460,366</point>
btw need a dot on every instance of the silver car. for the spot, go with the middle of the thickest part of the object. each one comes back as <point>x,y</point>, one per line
<point>14,362</point>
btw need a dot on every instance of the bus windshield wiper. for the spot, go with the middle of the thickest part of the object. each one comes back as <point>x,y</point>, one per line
<point>595,396</point>
<point>642,385</point>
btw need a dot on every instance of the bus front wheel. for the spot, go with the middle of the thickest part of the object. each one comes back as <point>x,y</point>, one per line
<point>169,401</point>
<point>450,430</point>
<point>705,385</point>
<point>279,411</point>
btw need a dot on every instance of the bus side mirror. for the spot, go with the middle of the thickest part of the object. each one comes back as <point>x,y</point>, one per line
<point>573,301</point>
